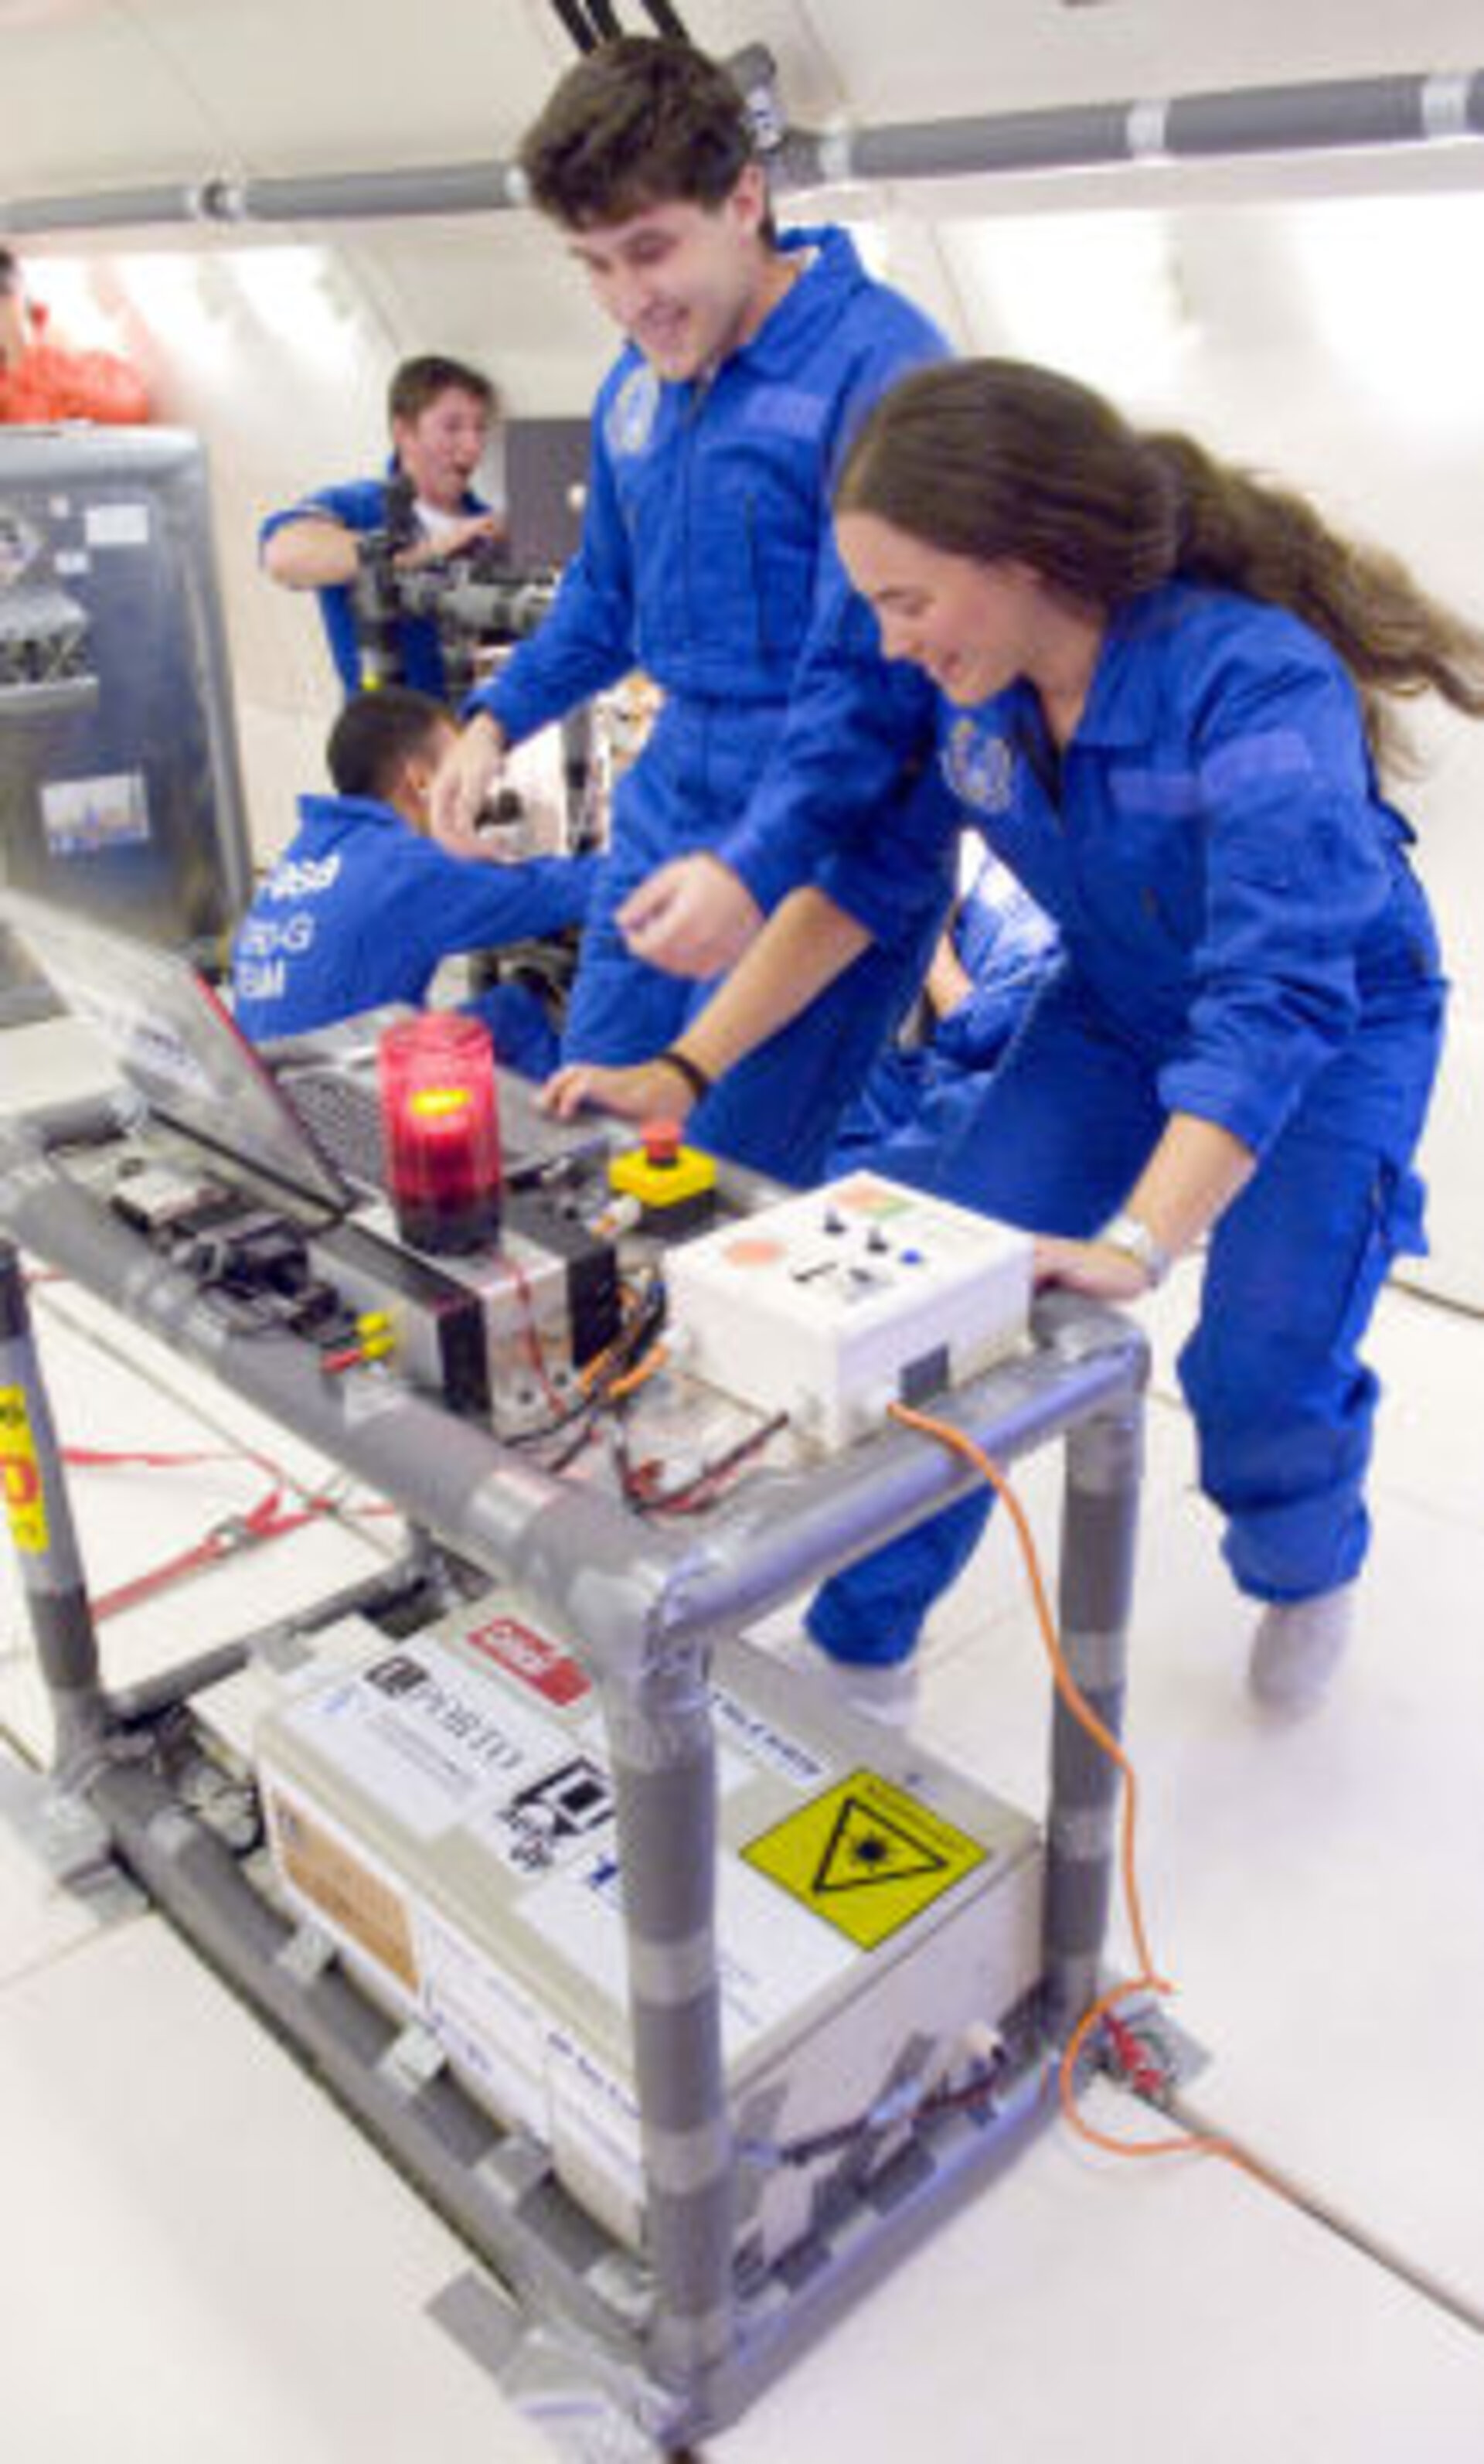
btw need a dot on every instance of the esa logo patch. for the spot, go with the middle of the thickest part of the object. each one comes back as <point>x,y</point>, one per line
<point>979,768</point>
<point>631,414</point>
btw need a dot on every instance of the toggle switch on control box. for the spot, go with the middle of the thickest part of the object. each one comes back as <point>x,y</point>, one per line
<point>832,1305</point>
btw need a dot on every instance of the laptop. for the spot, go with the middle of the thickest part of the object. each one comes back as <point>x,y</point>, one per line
<point>175,1043</point>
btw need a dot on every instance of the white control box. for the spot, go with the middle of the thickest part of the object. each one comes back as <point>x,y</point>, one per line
<point>833,1305</point>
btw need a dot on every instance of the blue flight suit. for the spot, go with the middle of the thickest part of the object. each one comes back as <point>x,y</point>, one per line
<point>360,909</point>
<point>360,505</point>
<point>1245,941</point>
<point>1006,947</point>
<point>785,744</point>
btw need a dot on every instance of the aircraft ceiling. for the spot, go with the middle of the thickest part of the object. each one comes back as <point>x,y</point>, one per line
<point>113,92</point>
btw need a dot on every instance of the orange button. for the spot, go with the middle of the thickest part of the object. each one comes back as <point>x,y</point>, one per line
<point>660,1140</point>
<point>754,1251</point>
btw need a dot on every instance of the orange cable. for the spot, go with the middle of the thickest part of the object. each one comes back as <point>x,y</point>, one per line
<point>636,1377</point>
<point>1147,1981</point>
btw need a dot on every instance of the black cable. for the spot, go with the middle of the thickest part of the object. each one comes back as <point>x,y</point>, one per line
<point>667,20</point>
<point>572,17</point>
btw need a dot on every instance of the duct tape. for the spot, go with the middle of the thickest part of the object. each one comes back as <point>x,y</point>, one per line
<point>411,2060</point>
<point>305,1954</point>
<point>516,186</point>
<point>1148,132</point>
<point>665,1973</point>
<point>835,151</point>
<point>1097,1657</point>
<point>1082,1835</point>
<point>171,1832</point>
<point>685,2163</point>
<point>512,2168</point>
<point>1444,105</point>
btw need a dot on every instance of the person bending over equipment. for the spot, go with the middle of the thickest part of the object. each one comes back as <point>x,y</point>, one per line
<point>786,754</point>
<point>1167,703</point>
<point>441,414</point>
<point>362,907</point>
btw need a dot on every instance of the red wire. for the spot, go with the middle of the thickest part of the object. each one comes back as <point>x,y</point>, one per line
<point>265,1521</point>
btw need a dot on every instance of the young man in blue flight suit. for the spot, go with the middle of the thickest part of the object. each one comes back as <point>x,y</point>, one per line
<point>786,754</point>
<point>439,413</point>
<point>362,907</point>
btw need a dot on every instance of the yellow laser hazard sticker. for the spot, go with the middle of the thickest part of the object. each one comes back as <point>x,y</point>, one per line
<point>865,1856</point>
<point>21,1477</point>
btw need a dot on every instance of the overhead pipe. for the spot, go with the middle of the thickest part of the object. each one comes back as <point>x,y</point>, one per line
<point>1333,115</point>
<point>1339,114</point>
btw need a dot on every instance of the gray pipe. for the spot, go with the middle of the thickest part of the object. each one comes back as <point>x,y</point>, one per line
<point>1398,110</point>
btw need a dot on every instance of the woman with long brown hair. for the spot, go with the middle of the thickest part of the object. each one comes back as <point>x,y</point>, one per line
<point>1168,700</point>
<point>1169,695</point>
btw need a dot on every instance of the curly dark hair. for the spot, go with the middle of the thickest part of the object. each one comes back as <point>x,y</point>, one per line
<point>638,122</point>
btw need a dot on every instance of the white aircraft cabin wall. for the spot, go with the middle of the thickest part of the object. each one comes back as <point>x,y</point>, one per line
<point>1315,317</point>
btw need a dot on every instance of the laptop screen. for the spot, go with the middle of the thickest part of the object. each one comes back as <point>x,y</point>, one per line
<point>171,1039</point>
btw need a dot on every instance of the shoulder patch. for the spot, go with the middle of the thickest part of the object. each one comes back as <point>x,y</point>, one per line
<point>979,767</point>
<point>787,412</point>
<point>631,414</point>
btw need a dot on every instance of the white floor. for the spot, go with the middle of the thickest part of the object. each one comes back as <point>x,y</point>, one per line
<point>198,2254</point>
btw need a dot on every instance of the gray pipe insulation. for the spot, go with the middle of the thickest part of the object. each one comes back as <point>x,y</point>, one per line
<point>1415,109</point>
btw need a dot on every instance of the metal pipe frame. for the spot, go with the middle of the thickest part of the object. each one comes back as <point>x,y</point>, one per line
<point>645,1606</point>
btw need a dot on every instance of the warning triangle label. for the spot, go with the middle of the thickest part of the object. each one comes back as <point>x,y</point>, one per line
<point>867,1848</point>
<point>867,1855</point>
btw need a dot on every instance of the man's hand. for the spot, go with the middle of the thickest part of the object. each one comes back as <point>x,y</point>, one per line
<point>692,917</point>
<point>438,546</point>
<point>647,1091</point>
<point>462,782</point>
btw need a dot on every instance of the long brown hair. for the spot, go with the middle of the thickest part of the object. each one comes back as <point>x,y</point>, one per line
<point>996,458</point>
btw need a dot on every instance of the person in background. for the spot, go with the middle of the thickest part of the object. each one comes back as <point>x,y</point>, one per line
<point>786,754</point>
<point>1166,699</point>
<point>42,379</point>
<point>441,414</point>
<point>995,952</point>
<point>15,331</point>
<point>362,907</point>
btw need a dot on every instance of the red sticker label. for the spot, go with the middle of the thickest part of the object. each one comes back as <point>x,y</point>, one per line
<point>542,1665</point>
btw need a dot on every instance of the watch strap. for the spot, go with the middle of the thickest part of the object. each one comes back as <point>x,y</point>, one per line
<point>1135,1240</point>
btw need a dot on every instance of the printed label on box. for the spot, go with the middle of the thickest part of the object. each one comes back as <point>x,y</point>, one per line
<point>430,1738</point>
<point>359,1904</point>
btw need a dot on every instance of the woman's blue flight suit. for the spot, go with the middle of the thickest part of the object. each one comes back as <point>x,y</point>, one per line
<point>786,745</point>
<point>1244,940</point>
<point>1007,948</point>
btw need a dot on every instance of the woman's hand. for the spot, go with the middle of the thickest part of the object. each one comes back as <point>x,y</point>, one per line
<point>1091,1267</point>
<point>647,1090</point>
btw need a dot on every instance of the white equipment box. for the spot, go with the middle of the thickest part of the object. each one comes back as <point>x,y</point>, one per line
<point>833,1305</point>
<point>442,1810</point>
